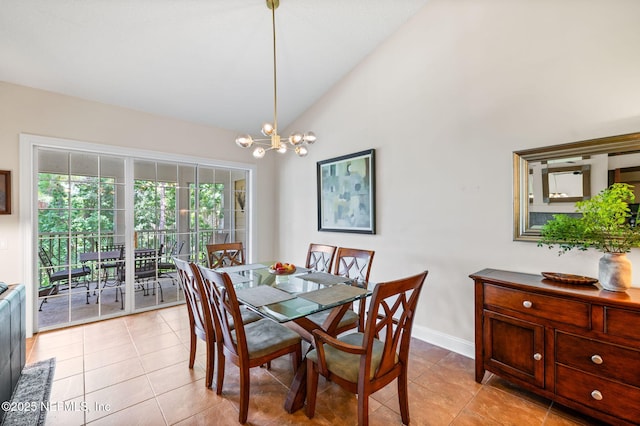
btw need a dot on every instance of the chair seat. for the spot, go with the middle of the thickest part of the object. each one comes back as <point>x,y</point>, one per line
<point>347,365</point>
<point>349,318</point>
<point>166,266</point>
<point>266,336</point>
<point>64,274</point>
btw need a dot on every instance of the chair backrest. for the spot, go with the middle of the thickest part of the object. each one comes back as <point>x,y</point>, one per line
<point>320,257</point>
<point>354,263</point>
<point>390,319</point>
<point>227,254</point>
<point>145,264</point>
<point>110,247</point>
<point>219,302</point>
<point>45,260</point>
<point>192,295</point>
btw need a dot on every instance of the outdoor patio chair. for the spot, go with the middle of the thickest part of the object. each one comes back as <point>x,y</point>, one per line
<point>145,272</point>
<point>58,277</point>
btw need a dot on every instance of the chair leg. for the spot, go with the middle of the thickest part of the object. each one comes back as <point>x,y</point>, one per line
<point>403,396</point>
<point>220,374</point>
<point>363,409</point>
<point>312,389</point>
<point>192,347</point>
<point>211,361</point>
<point>244,395</point>
<point>121,297</point>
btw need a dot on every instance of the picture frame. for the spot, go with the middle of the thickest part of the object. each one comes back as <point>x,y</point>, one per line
<point>346,193</point>
<point>5,192</point>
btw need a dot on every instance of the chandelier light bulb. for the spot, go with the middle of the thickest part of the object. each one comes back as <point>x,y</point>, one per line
<point>302,151</point>
<point>268,129</point>
<point>296,138</point>
<point>309,137</point>
<point>244,141</point>
<point>259,152</point>
<point>283,148</point>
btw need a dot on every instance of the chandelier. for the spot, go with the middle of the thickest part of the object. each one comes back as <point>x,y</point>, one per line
<point>271,140</point>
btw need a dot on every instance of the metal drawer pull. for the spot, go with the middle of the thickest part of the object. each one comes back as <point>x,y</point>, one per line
<point>597,359</point>
<point>597,395</point>
<point>537,356</point>
<point>527,304</point>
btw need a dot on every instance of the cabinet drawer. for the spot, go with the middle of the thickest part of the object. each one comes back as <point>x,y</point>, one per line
<point>620,322</point>
<point>599,358</point>
<point>616,399</point>
<point>552,308</point>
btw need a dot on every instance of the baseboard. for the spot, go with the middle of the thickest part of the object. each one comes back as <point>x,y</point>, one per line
<point>462,347</point>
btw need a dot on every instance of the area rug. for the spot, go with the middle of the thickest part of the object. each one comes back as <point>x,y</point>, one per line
<point>29,400</point>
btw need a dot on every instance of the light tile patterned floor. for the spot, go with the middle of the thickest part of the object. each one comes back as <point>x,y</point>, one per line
<point>134,370</point>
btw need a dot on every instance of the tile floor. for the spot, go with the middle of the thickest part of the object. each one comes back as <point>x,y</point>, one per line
<point>134,370</point>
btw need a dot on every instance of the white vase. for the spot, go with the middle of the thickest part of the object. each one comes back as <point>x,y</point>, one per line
<point>614,271</point>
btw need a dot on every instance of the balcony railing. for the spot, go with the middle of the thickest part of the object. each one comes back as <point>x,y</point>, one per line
<point>64,247</point>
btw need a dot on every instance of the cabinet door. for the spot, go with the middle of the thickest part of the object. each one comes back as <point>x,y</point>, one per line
<point>514,348</point>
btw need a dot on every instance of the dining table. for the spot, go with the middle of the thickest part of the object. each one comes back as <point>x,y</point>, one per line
<point>288,298</point>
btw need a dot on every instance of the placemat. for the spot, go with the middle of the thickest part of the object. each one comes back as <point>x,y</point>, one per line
<point>324,278</point>
<point>262,295</point>
<point>333,294</point>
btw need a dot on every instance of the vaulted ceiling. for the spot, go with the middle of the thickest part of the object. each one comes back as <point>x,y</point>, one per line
<point>207,61</point>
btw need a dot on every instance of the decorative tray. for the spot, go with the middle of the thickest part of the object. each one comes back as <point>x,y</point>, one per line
<point>569,279</point>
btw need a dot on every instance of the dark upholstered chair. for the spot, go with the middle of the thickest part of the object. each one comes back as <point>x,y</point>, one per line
<point>227,254</point>
<point>365,362</point>
<point>320,257</point>
<point>246,345</point>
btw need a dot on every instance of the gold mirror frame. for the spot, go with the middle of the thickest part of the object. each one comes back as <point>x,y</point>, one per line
<point>612,145</point>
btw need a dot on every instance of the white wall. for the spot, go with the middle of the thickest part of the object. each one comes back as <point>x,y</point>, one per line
<point>445,102</point>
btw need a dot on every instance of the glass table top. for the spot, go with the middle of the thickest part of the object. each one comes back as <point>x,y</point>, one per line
<point>289,297</point>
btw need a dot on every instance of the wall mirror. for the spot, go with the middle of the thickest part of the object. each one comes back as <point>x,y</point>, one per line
<point>549,180</point>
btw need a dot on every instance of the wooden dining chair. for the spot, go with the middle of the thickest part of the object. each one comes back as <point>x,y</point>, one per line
<point>227,254</point>
<point>320,257</point>
<point>246,345</point>
<point>365,362</point>
<point>197,323</point>
<point>356,265</point>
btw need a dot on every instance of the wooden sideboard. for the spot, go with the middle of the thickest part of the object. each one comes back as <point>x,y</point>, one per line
<point>577,345</point>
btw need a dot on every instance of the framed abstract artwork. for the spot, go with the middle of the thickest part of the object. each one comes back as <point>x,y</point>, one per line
<point>5,192</point>
<point>346,193</point>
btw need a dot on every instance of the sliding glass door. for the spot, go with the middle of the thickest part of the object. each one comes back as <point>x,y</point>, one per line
<point>109,225</point>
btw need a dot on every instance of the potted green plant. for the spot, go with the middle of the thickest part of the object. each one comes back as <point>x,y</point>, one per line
<point>604,225</point>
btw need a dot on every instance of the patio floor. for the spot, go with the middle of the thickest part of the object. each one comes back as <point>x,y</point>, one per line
<point>71,306</point>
